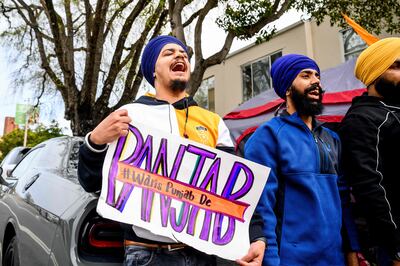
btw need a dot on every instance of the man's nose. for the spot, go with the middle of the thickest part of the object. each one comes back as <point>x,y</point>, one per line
<point>315,80</point>
<point>180,54</point>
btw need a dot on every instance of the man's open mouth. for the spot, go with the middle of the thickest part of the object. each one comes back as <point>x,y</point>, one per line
<point>314,92</point>
<point>178,67</point>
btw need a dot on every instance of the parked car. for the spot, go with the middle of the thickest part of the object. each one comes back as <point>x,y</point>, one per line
<point>46,218</point>
<point>12,158</point>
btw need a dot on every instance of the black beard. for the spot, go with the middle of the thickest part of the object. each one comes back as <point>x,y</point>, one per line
<point>388,89</point>
<point>178,85</point>
<point>304,105</point>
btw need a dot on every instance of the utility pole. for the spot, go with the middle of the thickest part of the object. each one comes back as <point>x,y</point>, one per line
<point>26,128</point>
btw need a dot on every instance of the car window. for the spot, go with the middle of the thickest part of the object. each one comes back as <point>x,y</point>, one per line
<point>12,157</point>
<point>54,154</point>
<point>27,162</point>
<point>15,155</point>
<point>7,158</point>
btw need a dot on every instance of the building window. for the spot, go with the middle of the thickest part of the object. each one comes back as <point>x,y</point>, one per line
<point>352,43</point>
<point>256,75</point>
<point>205,96</point>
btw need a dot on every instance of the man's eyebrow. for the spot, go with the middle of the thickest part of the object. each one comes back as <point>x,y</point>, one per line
<point>308,72</point>
<point>169,50</point>
<point>174,49</point>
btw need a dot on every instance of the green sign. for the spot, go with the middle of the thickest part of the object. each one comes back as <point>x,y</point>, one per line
<point>20,113</point>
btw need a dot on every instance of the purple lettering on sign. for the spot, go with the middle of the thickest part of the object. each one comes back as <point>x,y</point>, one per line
<point>177,162</point>
<point>110,199</point>
<point>161,159</point>
<point>148,195</point>
<point>147,203</point>
<point>212,176</point>
<point>227,193</point>
<point>236,169</point>
<point>218,238</point>
<point>165,203</point>
<point>179,226</point>
<point>205,231</point>
<point>146,152</point>
<point>203,155</point>
<point>192,220</point>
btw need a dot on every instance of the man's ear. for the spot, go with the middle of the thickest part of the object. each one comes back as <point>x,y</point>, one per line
<point>289,92</point>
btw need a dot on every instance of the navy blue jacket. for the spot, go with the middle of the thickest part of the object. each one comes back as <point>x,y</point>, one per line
<point>301,203</point>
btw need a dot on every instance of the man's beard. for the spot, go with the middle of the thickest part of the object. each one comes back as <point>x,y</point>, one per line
<point>388,89</point>
<point>305,105</point>
<point>178,85</point>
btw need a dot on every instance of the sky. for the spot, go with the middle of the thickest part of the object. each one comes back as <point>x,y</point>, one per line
<point>51,110</point>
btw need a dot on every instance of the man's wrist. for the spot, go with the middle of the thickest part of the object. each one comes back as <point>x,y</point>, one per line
<point>263,239</point>
<point>94,147</point>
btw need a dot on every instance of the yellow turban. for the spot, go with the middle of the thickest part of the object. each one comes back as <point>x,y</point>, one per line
<point>376,59</point>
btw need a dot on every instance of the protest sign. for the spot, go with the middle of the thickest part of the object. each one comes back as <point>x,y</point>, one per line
<point>182,190</point>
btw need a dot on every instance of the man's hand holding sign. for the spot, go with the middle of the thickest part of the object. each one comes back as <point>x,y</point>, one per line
<point>182,190</point>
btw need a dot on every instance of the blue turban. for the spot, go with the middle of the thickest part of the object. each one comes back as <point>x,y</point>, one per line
<point>151,52</point>
<point>286,68</point>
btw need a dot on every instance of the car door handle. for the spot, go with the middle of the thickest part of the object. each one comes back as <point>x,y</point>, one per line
<point>30,183</point>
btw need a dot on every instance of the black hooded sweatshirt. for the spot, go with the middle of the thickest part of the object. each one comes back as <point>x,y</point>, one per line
<point>370,134</point>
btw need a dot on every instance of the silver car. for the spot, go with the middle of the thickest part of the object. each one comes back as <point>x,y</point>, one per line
<point>46,218</point>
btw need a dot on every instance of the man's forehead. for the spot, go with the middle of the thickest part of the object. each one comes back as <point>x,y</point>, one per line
<point>172,46</point>
<point>309,71</point>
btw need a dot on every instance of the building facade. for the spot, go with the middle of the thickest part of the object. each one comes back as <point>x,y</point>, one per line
<point>245,73</point>
<point>9,125</point>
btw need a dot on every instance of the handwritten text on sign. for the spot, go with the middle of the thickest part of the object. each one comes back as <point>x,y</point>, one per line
<point>182,190</point>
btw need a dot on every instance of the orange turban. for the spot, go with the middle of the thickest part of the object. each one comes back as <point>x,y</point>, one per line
<point>376,59</point>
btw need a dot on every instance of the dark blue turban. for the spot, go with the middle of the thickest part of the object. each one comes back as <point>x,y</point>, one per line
<point>286,68</point>
<point>151,52</point>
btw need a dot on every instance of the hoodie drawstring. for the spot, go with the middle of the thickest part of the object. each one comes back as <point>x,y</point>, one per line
<point>186,104</point>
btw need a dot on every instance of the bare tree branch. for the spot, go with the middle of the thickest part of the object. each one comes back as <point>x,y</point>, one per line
<point>175,11</point>
<point>115,63</point>
<point>42,88</point>
<point>131,88</point>
<point>115,15</point>
<point>94,54</point>
<point>42,52</point>
<point>210,4</point>
<point>69,46</point>
<point>191,18</point>
<point>256,27</point>
<point>80,49</point>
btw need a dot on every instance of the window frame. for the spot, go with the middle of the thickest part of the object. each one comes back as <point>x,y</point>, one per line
<point>347,55</point>
<point>251,63</point>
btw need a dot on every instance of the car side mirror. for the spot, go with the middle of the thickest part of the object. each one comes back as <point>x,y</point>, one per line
<point>8,181</point>
<point>9,170</point>
<point>2,181</point>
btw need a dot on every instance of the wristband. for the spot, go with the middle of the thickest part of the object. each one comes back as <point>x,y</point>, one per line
<point>90,147</point>
<point>397,256</point>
